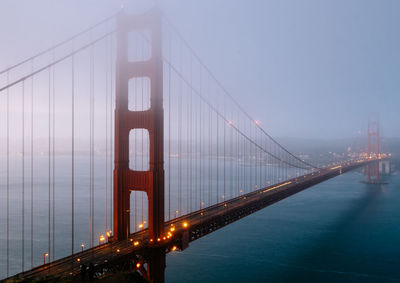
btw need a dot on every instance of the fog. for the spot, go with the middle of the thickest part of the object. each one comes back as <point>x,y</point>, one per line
<point>307,69</point>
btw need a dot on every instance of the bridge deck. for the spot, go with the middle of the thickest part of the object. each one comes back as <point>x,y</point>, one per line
<point>199,223</point>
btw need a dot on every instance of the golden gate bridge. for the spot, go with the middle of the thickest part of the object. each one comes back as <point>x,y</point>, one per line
<point>119,145</point>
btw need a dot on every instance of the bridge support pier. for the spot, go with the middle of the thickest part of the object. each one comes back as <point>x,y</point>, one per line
<point>157,265</point>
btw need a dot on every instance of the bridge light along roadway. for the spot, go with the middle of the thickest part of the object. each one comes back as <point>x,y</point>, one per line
<point>101,239</point>
<point>44,257</point>
<point>136,243</point>
<point>82,246</point>
<point>174,248</point>
<point>141,225</point>
<point>185,224</point>
<point>138,265</point>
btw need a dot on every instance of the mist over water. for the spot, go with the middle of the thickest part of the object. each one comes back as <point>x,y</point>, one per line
<point>338,231</point>
<point>309,73</point>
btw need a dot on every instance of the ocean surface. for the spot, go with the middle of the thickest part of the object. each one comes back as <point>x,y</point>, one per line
<point>341,230</point>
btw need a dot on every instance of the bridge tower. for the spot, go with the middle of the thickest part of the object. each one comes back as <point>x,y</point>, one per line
<point>373,149</point>
<point>125,180</point>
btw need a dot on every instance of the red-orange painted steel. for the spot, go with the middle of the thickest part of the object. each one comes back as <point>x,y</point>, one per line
<point>126,180</point>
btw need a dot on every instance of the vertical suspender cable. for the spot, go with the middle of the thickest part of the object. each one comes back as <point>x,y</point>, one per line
<point>23,176</point>
<point>73,156</point>
<point>91,145</point>
<point>106,133</point>
<point>196,161</point>
<point>224,195</point>
<point>111,129</point>
<point>253,163</point>
<point>231,158</point>
<point>201,144</point>
<point>180,142</point>
<point>187,108</point>
<point>188,153</point>
<point>169,140</point>
<point>142,135</point>
<point>49,168</point>
<point>32,100</point>
<point>169,130</point>
<point>54,161</point>
<point>209,148</point>
<point>190,122</point>
<point>237,158</point>
<point>8,178</point>
<point>217,129</point>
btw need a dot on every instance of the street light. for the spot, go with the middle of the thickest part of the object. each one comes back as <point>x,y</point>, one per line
<point>44,257</point>
<point>82,246</point>
<point>101,239</point>
<point>108,234</point>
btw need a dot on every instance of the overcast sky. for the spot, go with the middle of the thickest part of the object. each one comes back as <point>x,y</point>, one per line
<point>312,69</point>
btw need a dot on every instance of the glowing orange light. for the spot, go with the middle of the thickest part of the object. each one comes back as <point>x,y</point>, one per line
<point>158,239</point>
<point>102,238</point>
<point>185,224</point>
<point>136,243</point>
<point>118,250</point>
<point>174,248</point>
<point>78,259</point>
<point>138,265</point>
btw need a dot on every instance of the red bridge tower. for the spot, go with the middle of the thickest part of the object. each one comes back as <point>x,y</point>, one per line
<point>125,180</point>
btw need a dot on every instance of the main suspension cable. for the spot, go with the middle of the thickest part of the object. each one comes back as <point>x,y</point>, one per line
<point>58,44</point>
<point>229,94</point>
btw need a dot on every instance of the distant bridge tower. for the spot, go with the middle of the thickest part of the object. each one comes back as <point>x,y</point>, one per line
<point>373,149</point>
<point>125,180</point>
